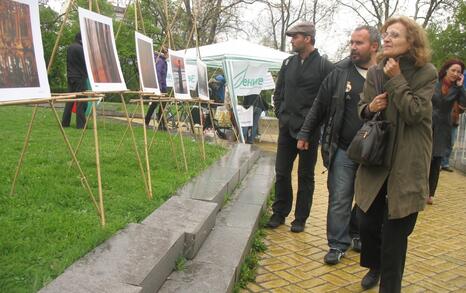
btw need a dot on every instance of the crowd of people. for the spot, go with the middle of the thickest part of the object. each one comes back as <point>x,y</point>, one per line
<point>316,101</point>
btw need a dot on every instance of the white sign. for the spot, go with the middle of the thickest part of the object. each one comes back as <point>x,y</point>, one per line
<point>248,78</point>
<point>23,74</point>
<point>191,71</point>
<point>100,52</point>
<point>245,116</point>
<point>202,80</point>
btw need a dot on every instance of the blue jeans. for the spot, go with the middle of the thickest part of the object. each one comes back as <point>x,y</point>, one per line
<point>340,183</point>
<point>446,158</point>
<point>250,133</point>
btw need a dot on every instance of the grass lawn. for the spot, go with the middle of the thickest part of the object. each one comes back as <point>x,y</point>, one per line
<point>51,221</point>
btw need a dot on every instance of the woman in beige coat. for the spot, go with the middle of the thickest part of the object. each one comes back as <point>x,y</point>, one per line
<point>390,196</point>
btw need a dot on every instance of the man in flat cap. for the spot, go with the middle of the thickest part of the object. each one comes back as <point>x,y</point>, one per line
<point>297,85</point>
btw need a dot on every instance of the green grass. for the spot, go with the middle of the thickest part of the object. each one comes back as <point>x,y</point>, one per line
<point>51,222</point>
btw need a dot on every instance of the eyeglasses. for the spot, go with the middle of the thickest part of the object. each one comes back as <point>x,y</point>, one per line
<point>391,34</point>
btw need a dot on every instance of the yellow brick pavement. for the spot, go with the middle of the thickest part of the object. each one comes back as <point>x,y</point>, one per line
<point>436,260</point>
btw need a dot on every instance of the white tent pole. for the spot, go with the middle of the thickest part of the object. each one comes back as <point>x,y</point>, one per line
<point>227,68</point>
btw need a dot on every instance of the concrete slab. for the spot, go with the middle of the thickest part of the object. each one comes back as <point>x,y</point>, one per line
<point>240,215</point>
<point>200,277</point>
<point>138,255</point>
<point>194,217</point>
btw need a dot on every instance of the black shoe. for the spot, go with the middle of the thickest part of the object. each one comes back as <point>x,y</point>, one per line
<point>275,221</point>
<point>333,256</point>
<point>356,244</point>
<point>297,226</point>
<point>371,279</point>
<point>448,169</point>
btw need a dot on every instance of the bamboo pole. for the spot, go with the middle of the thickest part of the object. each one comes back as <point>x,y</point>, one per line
<point>126,130</point>
<point>149,180</point>
<point>135,146</point>
<point>81,137</point>
<point>70,149</point>
<point>181,137</point>
<point>211,114</point>
<point>23,152</point>
<point>97,160</point>
<point>202,131</point>
<point>121,22</point>
<point>60,33</point>
<point>170,138</point>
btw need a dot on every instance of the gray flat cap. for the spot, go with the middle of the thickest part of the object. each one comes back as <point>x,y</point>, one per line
<point>306,28</point>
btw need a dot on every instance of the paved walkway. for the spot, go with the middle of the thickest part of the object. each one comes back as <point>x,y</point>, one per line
<point>436,260</point>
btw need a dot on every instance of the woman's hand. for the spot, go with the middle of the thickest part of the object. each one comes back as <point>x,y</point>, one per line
<point>460,80</point>
<point>392,68</point>
<point>379,103</point>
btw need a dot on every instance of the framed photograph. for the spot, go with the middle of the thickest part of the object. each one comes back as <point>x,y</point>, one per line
<point>100,52</point>
<point>202,80</point>
<point>180,79</point>
<point>23,74</point>
<point>146,64</point>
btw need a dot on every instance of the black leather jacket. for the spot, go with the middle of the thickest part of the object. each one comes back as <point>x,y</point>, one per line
<point>328,109</point>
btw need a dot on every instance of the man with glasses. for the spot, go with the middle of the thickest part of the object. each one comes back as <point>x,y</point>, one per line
<point>337,107</point>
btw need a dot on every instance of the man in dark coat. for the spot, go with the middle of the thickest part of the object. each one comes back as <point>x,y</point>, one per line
<point>161,69</point>
<point>297,85</point>
<point>336,106</point>
<point>77,78</point>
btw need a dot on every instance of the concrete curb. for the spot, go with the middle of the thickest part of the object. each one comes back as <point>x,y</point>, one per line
<point>141,256</point>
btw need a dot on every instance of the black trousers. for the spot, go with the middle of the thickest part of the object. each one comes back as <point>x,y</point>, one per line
<point>151,110</point>
<point>385,242</point>
<point>75,85</point>
<point>354,222</point>
<point>434,174</point>
<point>286,155</point>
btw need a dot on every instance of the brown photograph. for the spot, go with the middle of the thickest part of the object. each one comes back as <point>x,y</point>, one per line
<point>147,64</point>
<point>18,66</point>
<point>101,52</point>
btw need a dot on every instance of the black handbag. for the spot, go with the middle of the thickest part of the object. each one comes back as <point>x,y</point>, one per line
<point>369,144</point>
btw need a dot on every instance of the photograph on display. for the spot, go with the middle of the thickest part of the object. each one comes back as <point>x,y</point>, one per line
<point>146,64</point>
<point>180,80</point>
<point>22,64</point>
<point>100,52</point>
<point>202,80</point>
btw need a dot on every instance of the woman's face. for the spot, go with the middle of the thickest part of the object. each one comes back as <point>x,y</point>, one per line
<point>395,42</point>
<point>453,73</point>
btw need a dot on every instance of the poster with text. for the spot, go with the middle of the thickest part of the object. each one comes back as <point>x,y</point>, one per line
<point>202,80</point>
<point>180,79</point>
<point>100,52</point>
<point>23,74</point>
<point>146,64</point>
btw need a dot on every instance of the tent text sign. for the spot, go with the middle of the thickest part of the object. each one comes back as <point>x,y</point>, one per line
<point>248,78</point>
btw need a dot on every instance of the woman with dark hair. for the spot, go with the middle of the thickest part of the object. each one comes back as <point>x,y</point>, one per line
<point>390,196</point>
<point>448,90</point>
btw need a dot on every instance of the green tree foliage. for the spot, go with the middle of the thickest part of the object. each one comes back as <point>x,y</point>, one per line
<point>449,42</point>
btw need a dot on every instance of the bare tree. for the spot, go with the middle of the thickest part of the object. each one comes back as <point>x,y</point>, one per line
<point>282,14</point>
<point>375,12</point>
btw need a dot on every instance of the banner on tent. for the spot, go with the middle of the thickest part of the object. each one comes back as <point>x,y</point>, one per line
<point>248,78</point>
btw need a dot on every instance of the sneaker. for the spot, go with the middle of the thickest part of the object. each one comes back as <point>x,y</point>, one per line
<point>448,169</point>
<point>371,279</point>
<point>297,226</point>
<point>275,221</point>
<point>333,256</point>
<point>356,244</point>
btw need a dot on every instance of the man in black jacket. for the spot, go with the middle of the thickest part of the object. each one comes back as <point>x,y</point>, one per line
<point>337,107</point>
<point>297,85</point>
<point>77,76</point>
